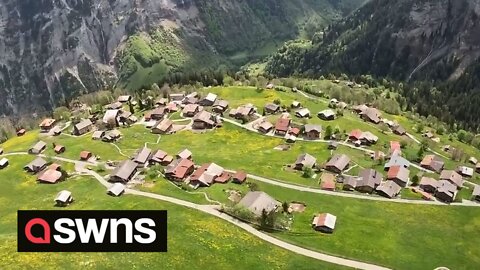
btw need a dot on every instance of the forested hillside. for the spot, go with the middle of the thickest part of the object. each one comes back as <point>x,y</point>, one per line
<point>423,44</point>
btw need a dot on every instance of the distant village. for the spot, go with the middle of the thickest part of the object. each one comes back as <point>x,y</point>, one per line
<point>209,112</point>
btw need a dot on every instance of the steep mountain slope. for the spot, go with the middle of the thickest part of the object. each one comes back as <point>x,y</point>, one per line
<point>401,39</point>
<point>53,50</point>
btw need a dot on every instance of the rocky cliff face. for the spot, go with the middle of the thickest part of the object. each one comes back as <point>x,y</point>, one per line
<point>53,50</point>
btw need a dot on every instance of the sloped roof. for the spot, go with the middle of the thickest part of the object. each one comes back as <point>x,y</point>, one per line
<point>265,125</point>
<point>3,161</point>
<point>272,106</point>
<point>50,176</point>
<point>282,124</point>
<point>190,108</point>
<point>257,201</point>
<point>84,123</point>
<point>38,162</point>
<point>124,170</point>
<point>211,97</point>
<point>185,153</point>
<point>48,122</point>
<point>428,181</point>
<point>110,115</point>
<point>306,160</point>
<point>395,160</point>
<point>143,155</point>
<point>311,127</point>
<point>339,161</point>
<point>327,113</point>
<point>163,125</point>
<point>370,178</point>
<point>452,176</point>
<point>389,188</point>
<point>325,220</point>
<point>39,146</point>
<point>63,196</point>
<point>303,112</point>
<point>116,189</point>
<point>399,172</point>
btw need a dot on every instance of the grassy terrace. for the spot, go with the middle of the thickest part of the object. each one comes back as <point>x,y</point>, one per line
<point>196,240</point>
<point>390,234</point>
<point>384,233</point>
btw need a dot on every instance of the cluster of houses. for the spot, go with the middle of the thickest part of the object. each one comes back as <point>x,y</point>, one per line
<point>179,169</point>
<point>397,177</point>
<point>284,128</point>
<point>358,137</point>
<point>48,174</point>
<point>374,116</point>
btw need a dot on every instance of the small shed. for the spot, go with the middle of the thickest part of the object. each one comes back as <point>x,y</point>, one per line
<point>116,190</point>
<point>64,198</point>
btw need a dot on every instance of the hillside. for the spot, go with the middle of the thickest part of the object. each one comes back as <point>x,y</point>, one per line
<point>408,41</point>
<point>55,50</point>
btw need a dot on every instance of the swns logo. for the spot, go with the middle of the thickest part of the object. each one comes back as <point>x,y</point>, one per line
<point>92,231</point>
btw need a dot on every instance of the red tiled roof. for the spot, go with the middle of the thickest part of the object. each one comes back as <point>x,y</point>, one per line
<point>223,178</point>
<point>282,124</point>
<point>356,133</point>
<point>294,131</point>
<point>85,154</point>
<point>393,172</point>
<point>394,145</point>
<point>240,176</point>
<point>328,185</point>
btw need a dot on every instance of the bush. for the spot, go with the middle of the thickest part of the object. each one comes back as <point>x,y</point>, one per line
<point>307,172</point>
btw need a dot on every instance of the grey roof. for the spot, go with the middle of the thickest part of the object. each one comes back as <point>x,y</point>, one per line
<point>84,123</point>
<point>367,135</point>
<point>205,117</point>
<point>266,125</point>
<point>110,115</point>
<point>370,178</point>
<point>98,134</point>
<point>124,170</point>
<point>351,181</point>
<point>310,127</point>
<point>452,176</point>
<point>116,189</point>
<point>211,97</point>
<point>447,187</point>
<point>257,201</point>
<point>327,113</point>
<point>303,112</point>
<point>221,103</point>
<point>38,147</point>
<point>476,190</point>
<point>163,125</point>
<point>389,188</point>
<point>38,162</point>
<point>397,160</point>
<point>63,196</point>
<point>339,161</point>
<point>3,161</point>
<point>428,181</point>
<point>185,154</point>
<point>272,107</point>
<point>143,155</point>
<point>306,160</point>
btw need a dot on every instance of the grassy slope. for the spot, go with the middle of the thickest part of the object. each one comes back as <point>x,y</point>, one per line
<point>386,233</point>
<point>195,240</point>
